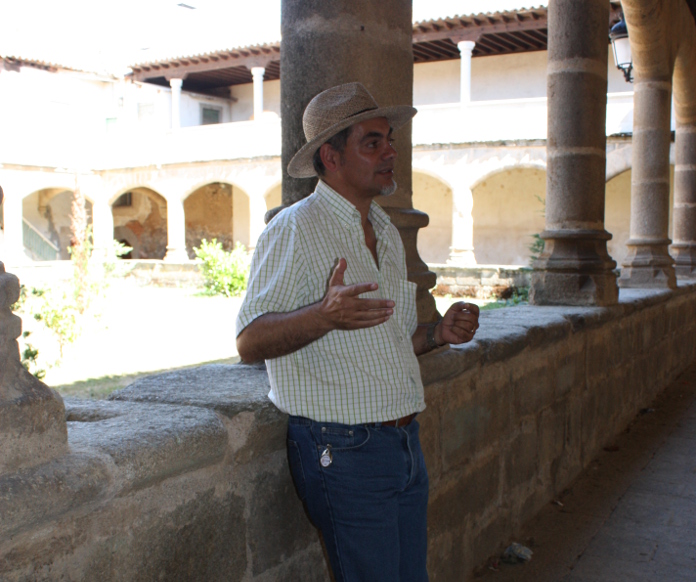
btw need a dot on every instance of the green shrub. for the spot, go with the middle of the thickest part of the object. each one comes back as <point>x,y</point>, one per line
<point>224,273</point>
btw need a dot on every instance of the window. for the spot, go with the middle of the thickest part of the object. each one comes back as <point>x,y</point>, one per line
<point>210,115</point>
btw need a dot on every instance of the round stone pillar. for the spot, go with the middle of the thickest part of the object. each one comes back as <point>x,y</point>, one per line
<point>648,262</point>
<point>462,249</point>
<point>329,43</point>
<point>575,268</point>
<point>684,221</point>
<point>176,232</point>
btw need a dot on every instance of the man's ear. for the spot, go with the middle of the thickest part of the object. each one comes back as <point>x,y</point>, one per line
<point>330,157</point>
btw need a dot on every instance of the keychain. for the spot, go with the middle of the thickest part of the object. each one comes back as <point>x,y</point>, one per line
<point>326,457</point>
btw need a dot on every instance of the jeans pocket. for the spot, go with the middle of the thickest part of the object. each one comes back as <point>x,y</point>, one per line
<point>342,438</point>
<point>296,469</point>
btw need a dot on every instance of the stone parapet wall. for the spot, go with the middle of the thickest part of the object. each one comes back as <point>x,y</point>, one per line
<point>183,476</point>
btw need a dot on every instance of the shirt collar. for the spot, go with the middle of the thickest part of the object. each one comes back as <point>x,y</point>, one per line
<point>348,214</point>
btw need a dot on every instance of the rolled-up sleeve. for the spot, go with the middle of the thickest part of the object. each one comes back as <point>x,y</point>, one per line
<point>276,275</point>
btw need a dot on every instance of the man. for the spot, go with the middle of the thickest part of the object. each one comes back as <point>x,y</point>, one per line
<point>330,309</point>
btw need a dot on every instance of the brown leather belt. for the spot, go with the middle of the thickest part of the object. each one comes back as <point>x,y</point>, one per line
<point>400,421</point>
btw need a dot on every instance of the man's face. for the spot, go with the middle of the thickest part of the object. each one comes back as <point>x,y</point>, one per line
<point>367,163</point>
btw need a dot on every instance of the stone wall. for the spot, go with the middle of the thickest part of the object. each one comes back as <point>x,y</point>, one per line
<point>182,476</point>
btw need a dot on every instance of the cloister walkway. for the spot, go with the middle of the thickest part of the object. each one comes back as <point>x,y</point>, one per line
<point>631,516</point>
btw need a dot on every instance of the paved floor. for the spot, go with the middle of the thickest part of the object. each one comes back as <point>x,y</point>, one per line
<point>632,515</point>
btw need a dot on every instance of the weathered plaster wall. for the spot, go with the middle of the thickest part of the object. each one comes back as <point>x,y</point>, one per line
<point>433,197</point>
<point>183,476</point>
<point>507,212</point>
<point>209,215</point>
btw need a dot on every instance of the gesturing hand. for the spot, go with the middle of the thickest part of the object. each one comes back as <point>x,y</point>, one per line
<point>342,308</point>
<point>459,324</point>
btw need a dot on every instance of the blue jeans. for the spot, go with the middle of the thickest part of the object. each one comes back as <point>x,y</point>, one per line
<point>370,502</point>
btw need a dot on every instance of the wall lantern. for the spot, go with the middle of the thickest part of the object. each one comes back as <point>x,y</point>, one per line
<point>622,49</point>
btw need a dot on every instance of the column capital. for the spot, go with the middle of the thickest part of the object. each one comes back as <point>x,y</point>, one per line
<point>466,47</point>
<point>258,72</point>
<point>175,82</point>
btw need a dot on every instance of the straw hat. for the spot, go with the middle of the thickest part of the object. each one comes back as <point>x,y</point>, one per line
<point>331,112</point>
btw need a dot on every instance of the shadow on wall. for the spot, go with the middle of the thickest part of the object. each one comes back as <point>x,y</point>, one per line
<point>508,211</point>
<point>140,217</point>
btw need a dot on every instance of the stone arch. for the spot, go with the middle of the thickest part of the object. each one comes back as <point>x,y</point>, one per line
<point>618,162</point>
<point>142,212</point>
<point>433,195</point>
<point>273,196</point>
<point>47,221</point>
<point>216,210</point>
<point>508,210</point>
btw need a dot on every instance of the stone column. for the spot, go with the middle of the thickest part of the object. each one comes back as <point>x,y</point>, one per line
<point>176,232</point>
<point>14,231</point>
<point>648,263</point>
<point>684,220</point>
<point>462,249</point>
<point>176,84</point>
<point>103,228</point>
<point>32,416</point>
<point>575,268</point>
<point>257,74</point>
<point>466,49</point>
<point>343,41</point>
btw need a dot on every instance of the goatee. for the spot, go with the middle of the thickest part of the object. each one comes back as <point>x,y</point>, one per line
<point>388,190</point>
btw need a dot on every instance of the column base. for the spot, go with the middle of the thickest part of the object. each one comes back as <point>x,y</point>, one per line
<point>176,256</point>
<point>648,265</point>
<point>574,269</point>
<point>32,416</point>
<point>462,258</point>
<point>684,260</point>
<point>408,221</point>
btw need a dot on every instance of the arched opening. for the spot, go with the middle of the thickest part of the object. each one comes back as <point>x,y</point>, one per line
<point>433,197</point>
<point>274,197</point>
<point>508,211</point>
<point>617,212</point>
<point>46,223</point>
<point>209,213</point>
<point>140,221</point>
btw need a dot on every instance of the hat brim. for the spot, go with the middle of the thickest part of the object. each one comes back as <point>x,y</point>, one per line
<point>302,166</point>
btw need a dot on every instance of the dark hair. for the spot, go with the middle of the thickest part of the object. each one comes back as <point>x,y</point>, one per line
<point>337,142</point>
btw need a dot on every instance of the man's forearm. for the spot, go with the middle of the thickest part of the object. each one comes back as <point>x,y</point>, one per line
<point>419,339</point>
<point>273,335</point>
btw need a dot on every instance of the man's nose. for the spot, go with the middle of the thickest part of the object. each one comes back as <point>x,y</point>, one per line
<point>389,152</point>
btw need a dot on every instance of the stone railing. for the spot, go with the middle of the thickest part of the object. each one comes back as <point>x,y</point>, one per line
<point>183,476</point>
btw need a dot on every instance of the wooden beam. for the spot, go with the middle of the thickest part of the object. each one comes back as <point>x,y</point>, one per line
<point>249,59</point>
<point>480,27</point>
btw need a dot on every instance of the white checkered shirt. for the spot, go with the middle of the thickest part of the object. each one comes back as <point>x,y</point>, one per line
<point>351,377</point>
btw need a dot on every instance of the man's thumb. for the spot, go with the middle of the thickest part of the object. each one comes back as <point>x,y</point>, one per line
<point>337,275</point>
